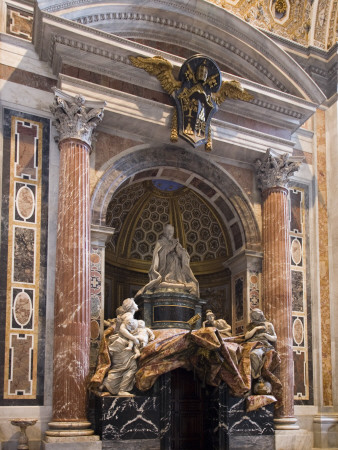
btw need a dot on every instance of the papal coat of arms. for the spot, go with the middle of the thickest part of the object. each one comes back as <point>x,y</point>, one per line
<point>197,93</point>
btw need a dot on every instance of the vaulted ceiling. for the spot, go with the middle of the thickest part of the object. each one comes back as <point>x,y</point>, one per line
<point>308,22</point>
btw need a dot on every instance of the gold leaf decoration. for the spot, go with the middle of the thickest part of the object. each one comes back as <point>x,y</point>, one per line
<point>159,68</point>
<point>281,6</point>
<point>231,89</point>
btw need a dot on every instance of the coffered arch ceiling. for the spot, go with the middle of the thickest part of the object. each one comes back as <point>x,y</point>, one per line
<point>198,26</point>
<point>139,211</point>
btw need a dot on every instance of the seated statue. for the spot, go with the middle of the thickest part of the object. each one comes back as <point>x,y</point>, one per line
<point>262,331</point>
<point>170,268</point>
<point>220,324</point>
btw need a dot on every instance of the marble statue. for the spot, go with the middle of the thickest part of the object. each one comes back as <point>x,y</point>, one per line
<point>144,335</point>
<point>170,269</point>
<point>220,324</point>
<point>120,378</point>
<point>262,331</point>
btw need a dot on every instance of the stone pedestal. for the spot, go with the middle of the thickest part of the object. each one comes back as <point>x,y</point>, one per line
<point>71,443</point>
<point>169,309</point>
<point>230,426</point>
<point>128,418</point>
<point>148,421</point>
<point>23,424</point>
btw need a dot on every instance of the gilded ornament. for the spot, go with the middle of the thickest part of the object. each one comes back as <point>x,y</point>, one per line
<point>197,94</point>
<point>174,135</point>
<point>281,6</point>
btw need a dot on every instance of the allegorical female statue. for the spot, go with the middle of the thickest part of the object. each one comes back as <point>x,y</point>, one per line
<point>170,268</point>
<point>262,331</point>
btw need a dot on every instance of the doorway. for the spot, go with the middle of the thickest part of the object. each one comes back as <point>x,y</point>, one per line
<point>187,410</point>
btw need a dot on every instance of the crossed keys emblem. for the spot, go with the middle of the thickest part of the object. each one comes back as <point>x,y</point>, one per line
<point>197,93</point>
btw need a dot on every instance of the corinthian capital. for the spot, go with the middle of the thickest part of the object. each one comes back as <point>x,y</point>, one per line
<point>75,117</point>
<point>275,170</point>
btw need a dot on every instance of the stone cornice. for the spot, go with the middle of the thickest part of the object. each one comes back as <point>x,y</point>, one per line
<point>146,119</point>
<point>225,40</point>
<point>282,109</point>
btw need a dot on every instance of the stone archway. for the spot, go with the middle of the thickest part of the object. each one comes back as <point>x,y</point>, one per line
<point>226,193</point>
<point>194,170</point>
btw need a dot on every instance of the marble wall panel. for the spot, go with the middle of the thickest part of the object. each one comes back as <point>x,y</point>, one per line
<point>254,289</point>
<point>96,301</point>
<point>21,360</point>
<point>301,295</point>
<point>26,78</point>
<point>19,23</point>
<point>23,257</point>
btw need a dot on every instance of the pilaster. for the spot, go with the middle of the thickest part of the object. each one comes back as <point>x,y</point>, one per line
<point>246,270</point>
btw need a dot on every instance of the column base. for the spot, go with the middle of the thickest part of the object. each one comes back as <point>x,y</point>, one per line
<point>72,429</point>
<point>72,443</point>
<point>293,440</point>
<point>286,423</point>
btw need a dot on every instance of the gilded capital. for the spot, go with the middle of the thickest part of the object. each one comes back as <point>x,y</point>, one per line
<point>275,170</point>
<point>75,117</point>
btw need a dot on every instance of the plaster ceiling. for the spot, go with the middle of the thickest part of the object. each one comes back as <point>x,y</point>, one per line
<point>308,22</point>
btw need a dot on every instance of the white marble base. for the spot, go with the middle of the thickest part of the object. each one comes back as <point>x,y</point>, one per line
<point>293,440</point>
<point>72,443</point>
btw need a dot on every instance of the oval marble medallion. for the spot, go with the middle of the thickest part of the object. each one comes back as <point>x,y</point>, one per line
<point>296,251</point>
<point>95,258</point>
<point>94,330</point>
<point>254,279</point>
<point>298,331</point>
<point>22,308</point>
<point>25,202</point>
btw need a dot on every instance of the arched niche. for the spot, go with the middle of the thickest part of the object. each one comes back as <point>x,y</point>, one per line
<point>190,168</point>
<point>211,182</point>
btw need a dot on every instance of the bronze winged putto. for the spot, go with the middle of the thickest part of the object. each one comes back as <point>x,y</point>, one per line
<point>197,94</point>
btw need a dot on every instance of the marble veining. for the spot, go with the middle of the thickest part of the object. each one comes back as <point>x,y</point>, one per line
<point>125,418</point>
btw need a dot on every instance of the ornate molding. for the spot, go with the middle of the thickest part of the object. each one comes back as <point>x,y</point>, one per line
<point>262,67</point>
<point>275,170</point>
<point>193,29</point>
<point>75,117</point>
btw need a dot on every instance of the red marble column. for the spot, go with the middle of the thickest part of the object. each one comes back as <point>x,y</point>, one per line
<point>72,293</point>
<point>273,175</point>
<point>72,278</point>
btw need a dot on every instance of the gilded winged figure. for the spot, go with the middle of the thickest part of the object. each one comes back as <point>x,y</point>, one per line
<point>198,93</point>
